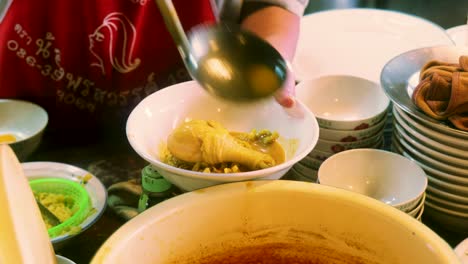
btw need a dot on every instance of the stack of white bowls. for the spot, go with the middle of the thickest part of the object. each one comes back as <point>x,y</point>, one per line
<point>380,174</point>
<point>351,113</point>
<point>442,152</point>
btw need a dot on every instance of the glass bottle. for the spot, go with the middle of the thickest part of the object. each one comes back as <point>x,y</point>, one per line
<point>155,188</point>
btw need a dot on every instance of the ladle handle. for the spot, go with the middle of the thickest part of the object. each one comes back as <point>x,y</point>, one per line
<point>174,26</point>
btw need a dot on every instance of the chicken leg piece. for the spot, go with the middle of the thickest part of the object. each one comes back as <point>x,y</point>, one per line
<point>210,142</point>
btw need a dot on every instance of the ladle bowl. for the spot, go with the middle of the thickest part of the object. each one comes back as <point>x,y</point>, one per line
<point>226,60</point>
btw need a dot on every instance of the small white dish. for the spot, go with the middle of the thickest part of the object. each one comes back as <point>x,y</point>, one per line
<point>344,102</point>
<point>96,190</point>
<point>391,178</point>
<point>25,121</point>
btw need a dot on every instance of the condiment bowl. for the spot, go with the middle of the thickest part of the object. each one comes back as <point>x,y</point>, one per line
<point>96,190</point>
<point>312,222</point>
<point>22,124</point>
<point>150,123</point>
<point>382,175</point>
<point>344,102</point>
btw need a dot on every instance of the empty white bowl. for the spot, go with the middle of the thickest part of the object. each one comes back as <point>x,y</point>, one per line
<point>26,122</point>
<point>333,225</point>
<point>96,190</point>
<point>352,135</point>
<point>154,118</point>
<point>344,102</point>
<point>382,175</point>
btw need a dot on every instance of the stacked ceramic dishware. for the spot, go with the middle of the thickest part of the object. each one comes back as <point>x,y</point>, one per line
<point>435,145</point>
<point>392,179</point>
<point>444,157</point>
<point>351,113</point>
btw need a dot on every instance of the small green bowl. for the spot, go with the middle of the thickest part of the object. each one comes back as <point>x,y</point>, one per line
<point>81,202</point>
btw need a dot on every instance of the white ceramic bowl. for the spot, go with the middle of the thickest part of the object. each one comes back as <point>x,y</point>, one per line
<point>26,122</point>
<point>344,102</point>
<point>281,213</point>
<point>156,116</point>
<point>336,146</point>
<point>352,135</point>
<point>382,175</point>
<point>96,190</point>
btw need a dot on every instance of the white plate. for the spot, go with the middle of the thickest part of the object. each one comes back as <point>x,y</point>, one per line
<point>432,133</point>
<point>459,169</point>
<point>459,35</point>
<point>359,41</point>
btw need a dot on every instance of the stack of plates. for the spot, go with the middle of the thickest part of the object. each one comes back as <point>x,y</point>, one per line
<point>444,158</point>
<point>440,149</point>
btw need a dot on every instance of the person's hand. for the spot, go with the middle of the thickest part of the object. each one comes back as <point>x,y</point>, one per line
<point>286,96</point>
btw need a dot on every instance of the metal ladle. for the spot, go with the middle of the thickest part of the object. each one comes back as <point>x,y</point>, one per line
<point>227,61</point>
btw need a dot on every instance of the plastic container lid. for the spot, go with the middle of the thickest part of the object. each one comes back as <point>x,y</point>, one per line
<point>81,205</point>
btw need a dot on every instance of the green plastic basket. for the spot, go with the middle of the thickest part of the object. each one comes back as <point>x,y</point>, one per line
<point>81,202</point>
